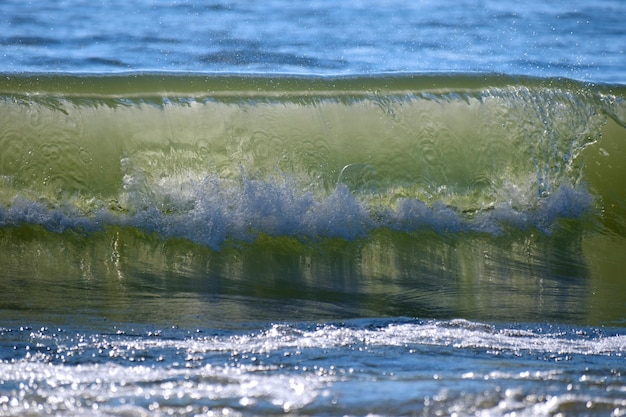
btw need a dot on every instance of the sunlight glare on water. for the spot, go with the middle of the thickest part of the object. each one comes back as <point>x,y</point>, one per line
<point>286,368</point>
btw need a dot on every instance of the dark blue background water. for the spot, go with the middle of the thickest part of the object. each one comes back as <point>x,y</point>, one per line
<point>577,39</point>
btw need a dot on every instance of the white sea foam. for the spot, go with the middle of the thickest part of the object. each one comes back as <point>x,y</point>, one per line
<point>286,368</point>
<point>106,389</point>
<point>211,210</point>
<point>459,334</point>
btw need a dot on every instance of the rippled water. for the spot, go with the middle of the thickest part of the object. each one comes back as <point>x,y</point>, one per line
<point>576,39</point>
<point>384,367</point>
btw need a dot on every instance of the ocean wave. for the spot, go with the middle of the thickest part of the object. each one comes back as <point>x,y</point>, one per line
<point>218,158</point>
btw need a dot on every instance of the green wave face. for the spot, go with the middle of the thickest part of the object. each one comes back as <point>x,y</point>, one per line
<point>287,148</point>
<point>438,196</point>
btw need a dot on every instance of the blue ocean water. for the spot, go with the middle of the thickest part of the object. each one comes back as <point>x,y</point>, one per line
<point>575,39</point>
<point>312,208</point>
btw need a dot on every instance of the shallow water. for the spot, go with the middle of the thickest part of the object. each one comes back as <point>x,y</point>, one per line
<point>286,208</point>
<point>390,367</point>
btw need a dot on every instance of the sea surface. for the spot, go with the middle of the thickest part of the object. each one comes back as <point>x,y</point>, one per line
<point>313,208</point>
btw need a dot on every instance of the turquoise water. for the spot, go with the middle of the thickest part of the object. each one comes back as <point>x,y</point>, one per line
<point>276,208</point>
